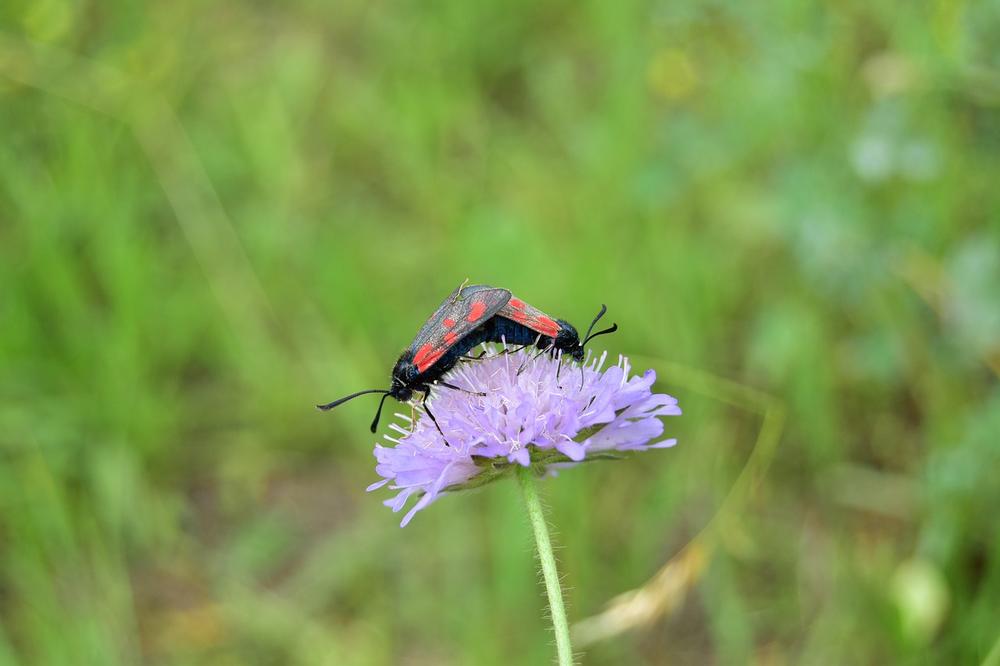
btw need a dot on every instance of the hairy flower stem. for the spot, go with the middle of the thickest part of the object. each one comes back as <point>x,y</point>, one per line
<point>525,478</point>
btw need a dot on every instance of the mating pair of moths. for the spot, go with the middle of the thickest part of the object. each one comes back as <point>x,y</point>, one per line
<point>470,316</point>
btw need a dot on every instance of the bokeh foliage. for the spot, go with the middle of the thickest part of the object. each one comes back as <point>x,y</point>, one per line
<point>213,216</point>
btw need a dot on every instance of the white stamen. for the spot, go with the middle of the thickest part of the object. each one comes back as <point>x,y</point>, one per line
<point>397,428</point>
<point>600,362</point>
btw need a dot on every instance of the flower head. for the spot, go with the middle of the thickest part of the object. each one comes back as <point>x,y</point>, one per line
<point>549,415</point>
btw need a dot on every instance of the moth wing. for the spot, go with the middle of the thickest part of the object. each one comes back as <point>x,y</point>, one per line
<point>530,316</point>
<point>460,313</point>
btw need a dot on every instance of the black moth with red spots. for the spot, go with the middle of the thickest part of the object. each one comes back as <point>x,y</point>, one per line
<point>470,316</point>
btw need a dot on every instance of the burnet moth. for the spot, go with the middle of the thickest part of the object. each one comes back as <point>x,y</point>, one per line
<point>470,316</point>
<point>454,328</point>
<point>521,324</point>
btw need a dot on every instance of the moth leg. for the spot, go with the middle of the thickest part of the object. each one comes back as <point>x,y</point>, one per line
<point>459,388</point>
<point>539,341</point>
<point>458,295</point>
<point>499,353</point>
<point>427,394</point>
<point>514,351</point>
<point>550,348</point>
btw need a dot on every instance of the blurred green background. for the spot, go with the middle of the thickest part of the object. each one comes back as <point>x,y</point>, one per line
<point>215,215</point>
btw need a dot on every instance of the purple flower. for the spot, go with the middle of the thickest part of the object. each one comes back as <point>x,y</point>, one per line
<point>552,415</point>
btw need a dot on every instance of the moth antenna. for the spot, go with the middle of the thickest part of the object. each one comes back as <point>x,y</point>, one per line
<point>611,329</point>
<point>604,308</point>
<point>378,413</point>
<point>335,403</point>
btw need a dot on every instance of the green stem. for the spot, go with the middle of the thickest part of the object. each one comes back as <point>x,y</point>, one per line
<point>548,560</point>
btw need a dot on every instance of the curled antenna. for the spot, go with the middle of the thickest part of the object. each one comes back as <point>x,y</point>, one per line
<point>588,337</point>
<point>385,394</point>
<point>378,413</point>
<point>336,403</point>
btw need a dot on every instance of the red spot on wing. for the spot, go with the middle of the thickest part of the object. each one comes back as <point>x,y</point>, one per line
<point>478,308</point>
<point>427,356</point>
<point>421,355</point>
<point>431,359</point>
<point>450,337</point>
<point>548,327</point>
<point>516,303</point>
<point>521,317</point>
<point>448,322</point>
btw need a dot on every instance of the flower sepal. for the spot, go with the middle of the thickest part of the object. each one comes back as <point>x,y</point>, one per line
<point>542,460</point>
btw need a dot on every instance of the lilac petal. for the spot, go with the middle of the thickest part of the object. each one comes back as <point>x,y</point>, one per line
<point>399,501</point>
<point>424,501</point>
<point>574,451</point>
<point>521,457</point>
